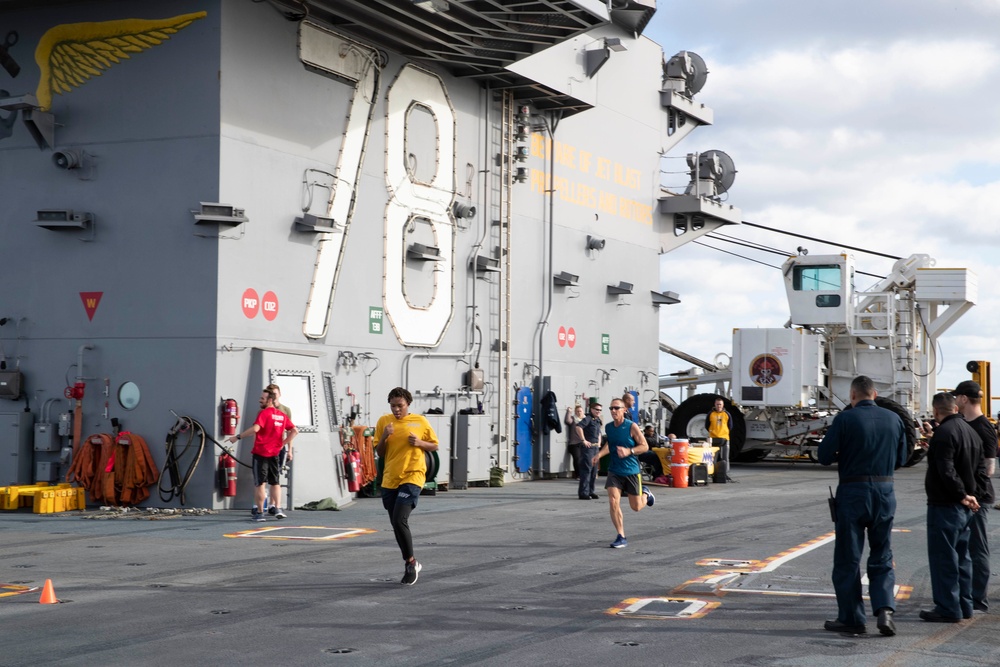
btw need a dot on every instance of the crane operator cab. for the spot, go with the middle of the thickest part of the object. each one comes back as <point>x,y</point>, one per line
<point>820,290</point>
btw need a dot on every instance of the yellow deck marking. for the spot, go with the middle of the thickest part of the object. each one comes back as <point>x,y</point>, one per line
<point>272,533</point>
<point>729,570</point>
<point>8,590</point>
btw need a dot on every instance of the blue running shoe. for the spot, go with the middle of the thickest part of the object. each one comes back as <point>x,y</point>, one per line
<point>649,498</point>
<point>257,517</point>
<point>619,542</point>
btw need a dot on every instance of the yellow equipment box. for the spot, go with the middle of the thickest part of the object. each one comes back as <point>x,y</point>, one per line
<point>43,498</point>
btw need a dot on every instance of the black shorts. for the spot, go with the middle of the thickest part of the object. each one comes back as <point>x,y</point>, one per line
<point>265,470</point>
<point>405,494</point>
<point>630,485</point>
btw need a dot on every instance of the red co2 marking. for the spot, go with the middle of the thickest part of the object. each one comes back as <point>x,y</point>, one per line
<point>269,306</point>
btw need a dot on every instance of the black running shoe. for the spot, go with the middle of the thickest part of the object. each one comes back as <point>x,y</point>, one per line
<point>410,576</point>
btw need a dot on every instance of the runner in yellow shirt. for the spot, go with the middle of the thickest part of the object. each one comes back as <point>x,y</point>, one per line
<point>402,440</point>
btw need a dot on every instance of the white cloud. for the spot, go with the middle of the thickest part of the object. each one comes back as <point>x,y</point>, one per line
<point>872,125</point>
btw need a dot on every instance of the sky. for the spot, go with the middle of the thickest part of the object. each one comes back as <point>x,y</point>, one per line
<point>867,124</point>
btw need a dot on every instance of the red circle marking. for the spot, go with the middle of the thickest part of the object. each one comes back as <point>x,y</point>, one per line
<point>571,337</point>
<point>562,336</point>
<point>269,306</point>
<point>251,302</point>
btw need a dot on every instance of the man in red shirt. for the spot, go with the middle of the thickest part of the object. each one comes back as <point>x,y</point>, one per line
<point>272,430</point>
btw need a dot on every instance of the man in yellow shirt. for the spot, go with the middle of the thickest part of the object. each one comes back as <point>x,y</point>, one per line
<point>717,424</point>
<point>402,440</point>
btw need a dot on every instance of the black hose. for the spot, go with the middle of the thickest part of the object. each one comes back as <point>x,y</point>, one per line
<point>171,466</point>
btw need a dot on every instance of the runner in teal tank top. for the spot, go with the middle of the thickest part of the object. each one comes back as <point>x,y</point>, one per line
<point>625,441</point>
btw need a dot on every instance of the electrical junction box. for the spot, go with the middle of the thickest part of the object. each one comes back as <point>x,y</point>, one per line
<point>66,424</point>
<point>475,379</point>
<point>46,437</point>
<point>10,384</point>
<point>46,472</point>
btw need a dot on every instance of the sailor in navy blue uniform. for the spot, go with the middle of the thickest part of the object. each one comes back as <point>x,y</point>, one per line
<point>867,443</point>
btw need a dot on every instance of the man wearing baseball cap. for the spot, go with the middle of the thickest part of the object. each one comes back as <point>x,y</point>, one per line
<point>953,457</point>
<point>968,395</point>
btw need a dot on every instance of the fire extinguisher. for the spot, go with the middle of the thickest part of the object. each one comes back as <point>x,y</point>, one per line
<point>352,465</point>
<point>227,475</point>
<point>230,416</point>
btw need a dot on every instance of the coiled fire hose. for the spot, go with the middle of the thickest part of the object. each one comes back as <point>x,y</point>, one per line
<point>175,452</point>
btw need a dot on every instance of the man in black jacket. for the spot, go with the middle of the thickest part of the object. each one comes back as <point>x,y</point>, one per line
<point>952,459</point>
<point>968,395</point>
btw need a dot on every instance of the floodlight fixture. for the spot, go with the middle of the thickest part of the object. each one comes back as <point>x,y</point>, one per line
<point>58,219</point>
<point>219,214</point>
<point>463,210</point>
<point>423,252</point>
<point>595,243</point>
<point>315,223</point>
<point>615,44</point>
<point>595,58</point>
<point>67,159</point>
<point>41,125</point>
<point>565,279</point>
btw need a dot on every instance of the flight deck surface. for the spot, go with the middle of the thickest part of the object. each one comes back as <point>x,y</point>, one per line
<point>728,574</point>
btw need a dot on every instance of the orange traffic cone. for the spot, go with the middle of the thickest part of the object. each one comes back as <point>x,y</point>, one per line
<point>48,594</point>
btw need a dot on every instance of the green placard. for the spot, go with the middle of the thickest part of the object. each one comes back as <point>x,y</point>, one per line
<point>374,320</point>
<point>605,343</point>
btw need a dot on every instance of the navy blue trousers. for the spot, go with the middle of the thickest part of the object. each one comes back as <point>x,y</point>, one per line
<point>588,471</point>
<point>979,553</point>
<point>948,556</point>
<point>863,507</point>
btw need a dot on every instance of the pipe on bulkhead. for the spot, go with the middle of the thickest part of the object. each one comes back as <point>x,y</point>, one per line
<point>442,355</point>
<point>547,285</point>
<point>79,360</point>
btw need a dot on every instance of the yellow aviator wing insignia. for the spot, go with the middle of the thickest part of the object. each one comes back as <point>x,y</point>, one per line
<point>70,54</point>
